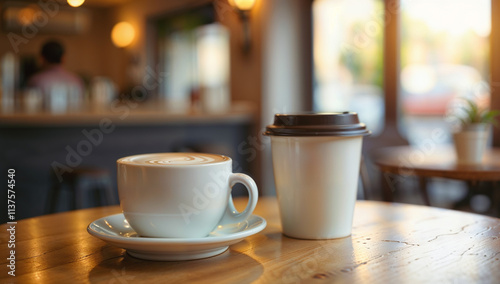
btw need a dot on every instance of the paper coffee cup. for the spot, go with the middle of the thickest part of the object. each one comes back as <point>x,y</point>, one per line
<point>316,160</point>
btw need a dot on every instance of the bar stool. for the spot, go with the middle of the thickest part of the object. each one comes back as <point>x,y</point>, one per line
<point>80,183</point>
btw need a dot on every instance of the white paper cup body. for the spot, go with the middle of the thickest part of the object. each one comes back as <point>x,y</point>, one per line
<point>316,180</point>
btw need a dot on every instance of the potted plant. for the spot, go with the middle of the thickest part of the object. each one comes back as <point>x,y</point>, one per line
<point>471,139</point>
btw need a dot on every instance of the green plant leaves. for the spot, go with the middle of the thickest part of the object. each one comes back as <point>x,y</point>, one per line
<point>489,117</point>
<point>472,114</point>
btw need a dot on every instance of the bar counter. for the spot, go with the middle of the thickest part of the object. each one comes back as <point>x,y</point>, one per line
<point>37,144</point>
<point>151,113</point>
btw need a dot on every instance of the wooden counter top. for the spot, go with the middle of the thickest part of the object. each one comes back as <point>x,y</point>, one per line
<point>152,113</point>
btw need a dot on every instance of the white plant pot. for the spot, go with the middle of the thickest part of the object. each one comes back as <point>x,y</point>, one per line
<point>470,144</point>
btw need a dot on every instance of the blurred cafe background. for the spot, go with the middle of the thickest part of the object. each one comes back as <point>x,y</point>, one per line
<point>208,76</point>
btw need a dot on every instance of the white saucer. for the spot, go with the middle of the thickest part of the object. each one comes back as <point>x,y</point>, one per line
<point>115,230</point>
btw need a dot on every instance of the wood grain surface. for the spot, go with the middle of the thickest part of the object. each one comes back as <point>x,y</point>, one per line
<point>390,243</point>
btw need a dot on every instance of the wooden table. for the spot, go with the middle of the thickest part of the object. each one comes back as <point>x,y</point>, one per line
<point>390,243</point>
<point>431,161</point>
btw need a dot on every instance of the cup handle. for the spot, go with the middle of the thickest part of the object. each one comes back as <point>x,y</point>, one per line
<point>232,215</point>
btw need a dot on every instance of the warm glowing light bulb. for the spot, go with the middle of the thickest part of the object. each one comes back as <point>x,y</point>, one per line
<point>122,34</point>
<point>242,4</point>
<point>75,3</point>
<point>26,15</point>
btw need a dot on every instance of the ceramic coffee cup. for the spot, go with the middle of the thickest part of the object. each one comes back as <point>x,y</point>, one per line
<point>316,159</point>
<point>180,195</point>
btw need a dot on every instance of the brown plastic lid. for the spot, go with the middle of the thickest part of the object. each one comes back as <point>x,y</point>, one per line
<point>317,124</point>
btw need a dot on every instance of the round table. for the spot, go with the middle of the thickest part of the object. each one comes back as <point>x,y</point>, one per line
<point>390,243</point>
<point>432,161</point>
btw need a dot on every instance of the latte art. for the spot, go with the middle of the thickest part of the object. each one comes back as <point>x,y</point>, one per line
<point>174,159</point>
<point>185,160</point>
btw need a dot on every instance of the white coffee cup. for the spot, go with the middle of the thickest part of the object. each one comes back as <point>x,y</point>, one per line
<point>180,195</point>
<point>316,159</point>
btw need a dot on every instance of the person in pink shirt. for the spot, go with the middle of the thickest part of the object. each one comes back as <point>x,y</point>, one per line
<point>54,79</point>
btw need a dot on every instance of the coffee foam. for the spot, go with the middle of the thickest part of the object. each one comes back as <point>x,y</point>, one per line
<point>174,159</point>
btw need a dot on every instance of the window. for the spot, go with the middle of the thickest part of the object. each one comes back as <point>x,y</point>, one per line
<point>444,56</point>
<point>347,47</point>
<point>193,52</point>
